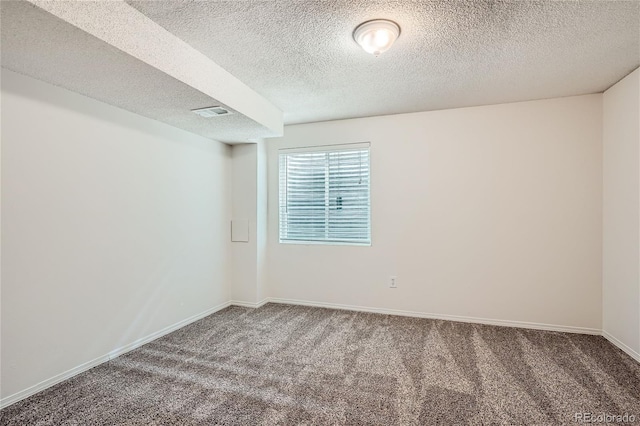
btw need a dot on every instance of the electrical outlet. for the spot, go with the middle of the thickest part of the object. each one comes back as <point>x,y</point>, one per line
<point>393,282</point>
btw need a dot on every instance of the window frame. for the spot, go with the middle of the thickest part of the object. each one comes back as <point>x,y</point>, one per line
<point>329,148</point>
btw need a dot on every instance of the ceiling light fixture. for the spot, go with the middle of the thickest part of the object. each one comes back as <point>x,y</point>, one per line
<point>376,36</point>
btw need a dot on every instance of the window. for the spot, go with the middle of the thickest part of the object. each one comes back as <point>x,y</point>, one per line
<point>324,195</point>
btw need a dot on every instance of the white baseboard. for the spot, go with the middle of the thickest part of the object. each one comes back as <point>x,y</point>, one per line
<point>11,399</point>
<point>633,354</point>
<point>32,390</point>
<point>249,304</point>
<point>18,396</point>
<point>504,323</point>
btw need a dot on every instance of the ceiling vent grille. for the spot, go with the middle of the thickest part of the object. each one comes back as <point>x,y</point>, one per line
<point>209,112</point>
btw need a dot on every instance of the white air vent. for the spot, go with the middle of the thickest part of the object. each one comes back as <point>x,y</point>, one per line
<point>209,112</point>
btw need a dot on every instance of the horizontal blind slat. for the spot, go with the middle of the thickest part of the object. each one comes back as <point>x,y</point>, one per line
<point>325,196</point>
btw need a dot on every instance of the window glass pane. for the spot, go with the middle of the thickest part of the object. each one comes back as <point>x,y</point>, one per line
<point>324,196</point>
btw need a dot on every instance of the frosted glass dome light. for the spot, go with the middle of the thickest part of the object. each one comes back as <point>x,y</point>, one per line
<point>376,36</point>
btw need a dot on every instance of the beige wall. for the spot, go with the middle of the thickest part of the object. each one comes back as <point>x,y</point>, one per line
<point>490,212</point>
<point>621,203</point>
<point>114,227</point>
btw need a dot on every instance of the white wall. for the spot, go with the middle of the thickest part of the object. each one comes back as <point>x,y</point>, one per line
<point>250,203</point>
<point>621,202</point>
<point>114,226</point>
<point>491,212</point>
<point>245,208</point>
<point>261,221</point>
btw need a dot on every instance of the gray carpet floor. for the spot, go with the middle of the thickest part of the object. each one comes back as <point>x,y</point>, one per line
<point>291,365</point>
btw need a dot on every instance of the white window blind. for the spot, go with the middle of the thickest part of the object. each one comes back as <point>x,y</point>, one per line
<point>325,196</point>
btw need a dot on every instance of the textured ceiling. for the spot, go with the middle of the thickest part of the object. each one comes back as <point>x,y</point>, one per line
<point>38,44</point>
<point>301,56</point>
